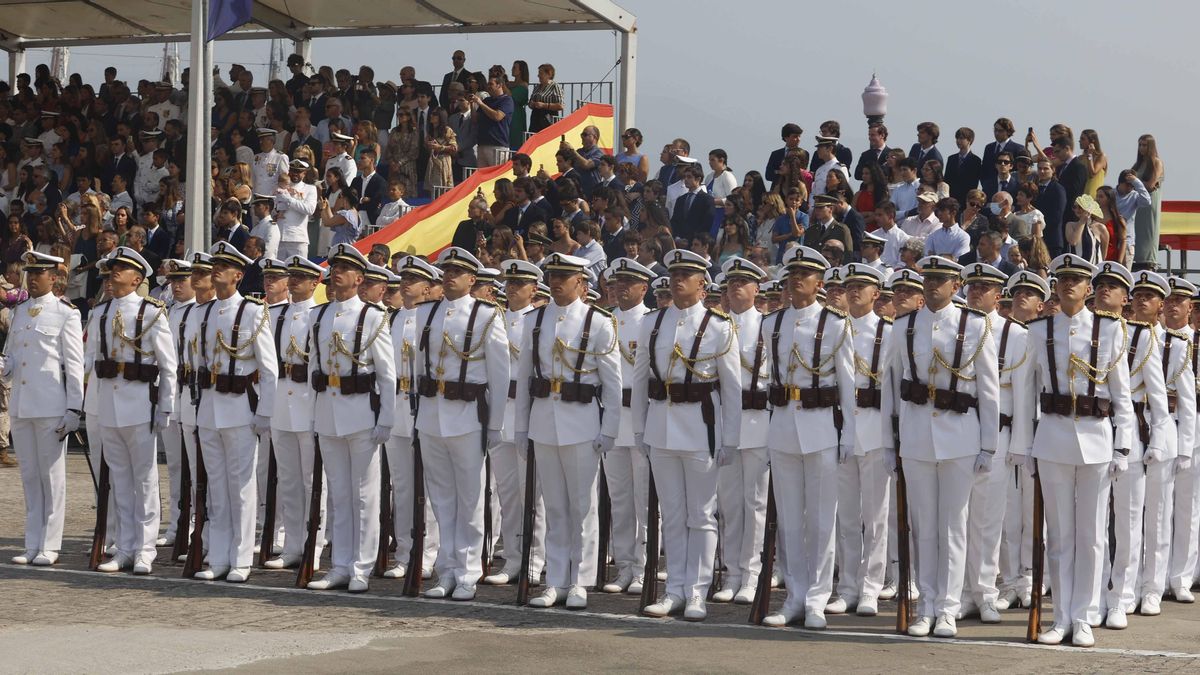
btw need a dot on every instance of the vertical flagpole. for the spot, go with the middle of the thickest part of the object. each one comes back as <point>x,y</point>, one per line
<point>198,145</point>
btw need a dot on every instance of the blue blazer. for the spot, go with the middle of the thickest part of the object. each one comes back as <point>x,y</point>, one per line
<point>962,175</point>
<point>914,153</point>
<point>987,175</point>
<point>1052,202</point>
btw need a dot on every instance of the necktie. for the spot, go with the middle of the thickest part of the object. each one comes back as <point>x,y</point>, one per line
<point>421,126</point>
<point>687,206</point>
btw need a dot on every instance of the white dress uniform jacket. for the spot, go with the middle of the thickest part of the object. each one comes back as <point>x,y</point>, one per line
<point>1181,389</point>
<point>338,415</point>
<point>1147,386</point>
<point>45,358</point>
<point>514,325</point>
<point>629,325</point>
<point>872,426</point>
<point>293,409</point>
<point>754,347</point>
<point>123,402</point>
<point>1012,354</point>
<point>254,351</point>
<point>266,171</point>
<point>295,210</point>
<point>404,344</point>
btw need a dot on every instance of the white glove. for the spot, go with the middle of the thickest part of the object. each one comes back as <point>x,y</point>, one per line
<point>1014,460</point>
<point>725,455</point>
<point>1182,463</point>
<point>1030,464</point>
<point>845,452</point>
<point>1152,456</point>
<point>493,438</point>
<point>68,425</point>
<point>380,435</point>
<point>160,421</point>
<point>261,425</point>
<point>983,462</point>
<point>603,444</point>
<point>1118,465</point>
<point>889,460</point>
<point>639,442</point>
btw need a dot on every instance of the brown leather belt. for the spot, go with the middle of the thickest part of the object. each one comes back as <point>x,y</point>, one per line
<point>626,396</point>
<point>1005,421</point>
<point>512,389</point>
<point>755,400</point>
<point>867,397</point>
<point>235,384</point>
<point>1084,406</point>
<point>943,399</point>
<point>678,392</point>
<point>809,397</point>
<point>450,390</point>
<point>1139,412</point>
<point>296,372</point>
<point>347,384</point>
<point>107,369</point>
<point>571,392</point>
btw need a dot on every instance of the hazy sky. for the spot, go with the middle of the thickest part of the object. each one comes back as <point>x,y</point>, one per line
<point>729,74</point>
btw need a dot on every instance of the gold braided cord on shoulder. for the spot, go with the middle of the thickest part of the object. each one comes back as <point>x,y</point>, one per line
<point>242,352</point>
<point>473,354</point>
<point>818,369</point>
<point>690,364</point>
<point>118,326</point>
<point>987,335</point>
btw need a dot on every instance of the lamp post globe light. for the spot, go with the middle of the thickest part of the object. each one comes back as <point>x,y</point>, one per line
<point>874,101</point>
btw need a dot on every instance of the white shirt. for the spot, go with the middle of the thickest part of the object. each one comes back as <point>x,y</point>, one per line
<point>44,363</point>
<point>346,163</point>
<point>819,177</point>
<point>268,230</point>
<point>629,325</point>
<point>721,185</point>
<point>904,196</point>
<point>952,241</point>
<point>254,351</point>
<point>916,226</point>
<point>266,169</point>
<point>295,210</point>
<point>336,414</point>
<point>895,241</point>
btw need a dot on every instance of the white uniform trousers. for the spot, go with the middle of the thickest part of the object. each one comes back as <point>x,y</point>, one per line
<point>806,490</point>
<point>1016,543</point>
<point>985,525</point>
<point>133,469</point>
<point>1076,500</point>
<point>568,475</point>
<point>261,473</point>
<point>1128,500</point>
<point>172,446</point>
<point>42,459</point>
<point>95,441</point>
<point>508,473</point>
<point>938,494</point>
<point>454,481</point>
<point>287,249</point>
<point>862,519</point>
<point>230,456</point>
<point>1160,489</point>
<point>294,457</point>
<point>400,464</point>
<point>628,473</point>
<point>742,501</point>
<point>352,470</point>
<point>686,482</point>
<point>1185,540</point>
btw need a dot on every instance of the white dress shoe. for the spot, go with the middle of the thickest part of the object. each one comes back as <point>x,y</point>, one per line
<point>162,541</point>
<point>285,562</point>
<point>1116,619</point>
<point>914,593</point>
<point>814,620</point>
<point>988,612</point>
<point>635,586</point>
<point>44,559</point>
<point>921,627</point>
<point>966,608</point>
<point>745,595</point>
<point>776,579</point>
<point>238,575</point>
<point>577,598</point>
<point>724,595</point>
<point>1007,600</point>
<point>662,575</point>
<point>213,573</point>
<point>330,581</point>
<point>142,568</point>
<point>502,577</point>
<point>463,592</point>
<point>945,627</point>
<point>781,618</point>
<point>442,590</point>
<point>427,572</point>
<point>1054,636</point>
<point>1082,635</point>
<point>1151,603</point>
<point>1184,595</point>
<point>357,585</point>
<point>867,606</point>
<point>396,572</point>
<point>695,610</point>
<point>888,591</point>
<point>115,564</point>
<point>620,584</point>
<point>666,605</point>
<point>837,606</point>
<point>549,597</point>
<point>25,558</point>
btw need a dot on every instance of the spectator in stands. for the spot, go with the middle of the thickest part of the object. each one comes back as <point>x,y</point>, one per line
<point>910,252</point>
<point>504,199</point>
<point>844,212</point>
<point>402,146</point>
<point>442,146</point>
<point>586,159</point>
<point>989,250</point>
<point>1028,220</point>
<point>518,88</point>
<point>1052,202</point>
<point>475,229</point>
<point>370,185</point>
<point>949,240</point>
<point>342,218</point>
<point>631,143</point>
<point>1003,179</point>
<point>924,221</point>
<point>333,111</point>
<point>933,180</point>
<point>822,226</point>
<point>925,148</point>
<point>833,129</point>
<point>693,212</point>
<point>734,237</point>
<point>492,117</point>
<point>525,213</point>
<point>587,232</point>
<point>873,190</point>
<point>721,181</point>
<point>876,152</point>
<point>546,99</point>
<point>973,220</point>
<point>963,168</point>
<point>395,206</point>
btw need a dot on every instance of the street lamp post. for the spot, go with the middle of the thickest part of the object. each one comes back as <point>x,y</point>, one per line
<point>874,102</point>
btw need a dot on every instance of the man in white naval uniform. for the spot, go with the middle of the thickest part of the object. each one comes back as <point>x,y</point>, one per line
<point>1150,294</point>
<point>351,359</point>
<point>275,297</point>
<point>949,422</point>
<point>1147,386</point>
<point>179,275</point>
<point>145,182</point>
<point>295,204</point>
<point>292,419</point>
<point>988,503</point>
<point>812,390</point>
<point>44,366</point>
<point>91,411</point>
<point>626,468</point>
<point>237,349</point>
<point>462,371</point>
<point>742,485</point>
<point>521,278</point>
<point>1079,374</point>
<point>686,431</point>
<point>864,479</point>
<point>269,164</point>
<point>131,351</point>
<point>567,369</point>
<point>1185,540</point>
<point>189,363</point>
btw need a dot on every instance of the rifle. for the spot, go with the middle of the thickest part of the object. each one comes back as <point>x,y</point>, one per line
<point>762,592</point>
<point>309,560</point>
<point>527,524</point>
<point>487,513</point>
<point>904,603</point>
<point>195,554</point>
<point>87,454</point>
<point>718,578</point>
<point>605,529</point>
<point>416,554</point>
<point>267,542</point>
<point>101,531</point>
<point>386,525</point>
<point>650,573</point>
<point>1039,556</point>
<point>183,526</point>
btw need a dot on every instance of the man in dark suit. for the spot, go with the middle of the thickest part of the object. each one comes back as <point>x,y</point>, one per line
<point>526,213</point>
<point>925,148</point>
<point>791,140</point>
<point>877,152</point>
<point>1072,173</point>
<point>1002,130</point>
<point>1005,179</point>
<point>832,129</point>
<point>963,167</point>
<point>1052,202</point>
<point>370,185</point>
<point>693,213</point>
<point>158,239</point>
<point>988,251</point>
<point>121,163</point>
<point>460,74</point>
<point>298,81</point>
<point>314,100</point>
<point>252,277</point>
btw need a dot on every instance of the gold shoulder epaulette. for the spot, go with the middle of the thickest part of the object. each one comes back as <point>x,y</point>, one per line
<point>1109,315</point>
<point>836,311</point>
<point>718,313</point>
<point>888,319</point>
<point>155,301</point>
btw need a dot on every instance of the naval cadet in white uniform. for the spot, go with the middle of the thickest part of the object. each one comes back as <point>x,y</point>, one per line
<point>179,275</point>
<point>44,366</point>
<point>1185,539</point>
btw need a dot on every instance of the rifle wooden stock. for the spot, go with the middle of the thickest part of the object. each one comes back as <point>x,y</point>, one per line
<point>101,531</point>
<point>386,524</point>
<point>195,555</point>
<point>904,604</point>
<point>183,526</point>
<point>761,605</point>
<point>650,574</point>
<point>718,578</point>
<point>416,554</point>
<point>309,560</point>
<point>604,516</point>
<point>1034,624</point>
<point>487,513</point>
<point>527,517</point>
<point>267,542</point>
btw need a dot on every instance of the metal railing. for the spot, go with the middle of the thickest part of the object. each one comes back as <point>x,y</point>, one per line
<point>575,94</point>
<point>372,229</point>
